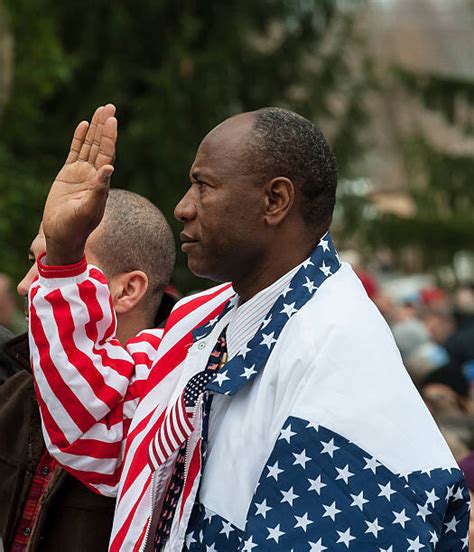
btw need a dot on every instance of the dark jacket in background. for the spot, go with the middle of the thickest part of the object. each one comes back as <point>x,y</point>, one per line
<point>72,518</point>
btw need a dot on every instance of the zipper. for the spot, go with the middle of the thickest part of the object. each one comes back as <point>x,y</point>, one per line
<point>152,499</point>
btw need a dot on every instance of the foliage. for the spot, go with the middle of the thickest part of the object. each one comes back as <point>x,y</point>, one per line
<point>174,69</point>
<point>440,172</point>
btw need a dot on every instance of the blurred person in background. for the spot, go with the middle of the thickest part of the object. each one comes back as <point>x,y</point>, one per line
<point>460,345</point>
<point>43,508</point>
<point>10,314</point>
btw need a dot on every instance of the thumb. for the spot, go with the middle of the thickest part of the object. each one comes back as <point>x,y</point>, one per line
<point>105,173</point>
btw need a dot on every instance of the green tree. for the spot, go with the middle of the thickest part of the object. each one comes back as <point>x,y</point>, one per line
<point>174,69</point>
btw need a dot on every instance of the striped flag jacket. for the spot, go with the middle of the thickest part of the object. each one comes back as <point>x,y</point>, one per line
<point>317,439</point>
<point>89,385</point>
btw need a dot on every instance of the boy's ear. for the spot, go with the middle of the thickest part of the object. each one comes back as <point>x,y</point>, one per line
<point>127,289</point>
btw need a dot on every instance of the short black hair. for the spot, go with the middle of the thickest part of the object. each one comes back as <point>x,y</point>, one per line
<point>283,143</point>
<point>135,235</point>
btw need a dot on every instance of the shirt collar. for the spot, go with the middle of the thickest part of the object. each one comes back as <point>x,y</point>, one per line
<point>242,368</point>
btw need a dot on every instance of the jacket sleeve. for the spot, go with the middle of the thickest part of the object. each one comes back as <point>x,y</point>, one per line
<point>88,384</point>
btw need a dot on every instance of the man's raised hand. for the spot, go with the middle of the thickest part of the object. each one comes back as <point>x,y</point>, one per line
<point>76,200</point>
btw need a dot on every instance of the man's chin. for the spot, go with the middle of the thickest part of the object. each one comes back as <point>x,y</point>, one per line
<point>201,270</point>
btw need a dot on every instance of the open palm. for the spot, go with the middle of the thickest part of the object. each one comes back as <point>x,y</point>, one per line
<point>76,200</point>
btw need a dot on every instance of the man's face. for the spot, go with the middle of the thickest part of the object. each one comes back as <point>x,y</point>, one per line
<point>222,211</point>
<point>37,248</point>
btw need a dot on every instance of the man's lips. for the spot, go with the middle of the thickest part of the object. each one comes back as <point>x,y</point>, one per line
<point>187,241</point>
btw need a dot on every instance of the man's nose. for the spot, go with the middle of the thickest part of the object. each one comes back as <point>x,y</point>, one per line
<point>186,208</point>
<point>24,286</point>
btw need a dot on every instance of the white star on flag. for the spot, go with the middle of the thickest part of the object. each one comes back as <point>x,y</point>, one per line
<point>371,464</point>
<point>211,548</point>
<point>287,434</point>
<point>287,290</point>
<point>317,546</point>
<point>344,474</point>
<point>226,528</point>
<point>301,459</point>
<point>289,496</point>
<point>262,508</point>
<point>274,533</point>
<point>265,323</point>
<point>248,545</point>
<point>289,309</point>
<point>345,537</point>
<point>415,545</point>
<point>451,526</point>
<point>244,351</point>
<point>324,244</point>
<point>326,270</point>
<point>423,511</point>
<point>389,549</point>
<point>313,425</point>
<point>303,522</point>
<point>208,515</point>
<point>465,542</point>
<point>274,471</point>
<point>449,492</point>
<point>248,372</point>
<point>329,448</point>
<point>310,285</point>
<point>434,538</point>
<point>221,377</point>
<point>359,500</point>
<point>374,527</point>
<point>386,491</point>
<point>432,498</point>
<point>190,539</point>
<point>458,494</point>
<point>316,484</point>
<point>331,511</point>
<point>401,518</point>
<point>307,263</point>
<point>268,339</point>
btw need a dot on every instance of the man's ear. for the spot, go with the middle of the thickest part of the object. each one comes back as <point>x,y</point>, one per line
<point>127,290</point>
<point>279,199</point>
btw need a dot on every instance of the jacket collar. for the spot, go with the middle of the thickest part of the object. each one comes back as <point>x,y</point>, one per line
<point>241,369</point>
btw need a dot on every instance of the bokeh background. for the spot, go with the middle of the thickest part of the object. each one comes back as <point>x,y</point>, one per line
<point>390,82</point>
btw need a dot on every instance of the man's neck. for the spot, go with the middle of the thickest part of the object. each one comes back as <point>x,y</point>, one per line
<point>130,324</point>
<point>269,271</point>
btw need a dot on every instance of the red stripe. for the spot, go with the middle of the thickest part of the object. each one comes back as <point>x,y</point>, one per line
<point>61,271</point>
<point>80,361</point>
<point>81,416</point>
<point>140,457</point>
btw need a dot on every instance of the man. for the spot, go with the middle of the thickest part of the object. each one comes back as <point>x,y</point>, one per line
<point>42,507</point>
<point>292,423</point>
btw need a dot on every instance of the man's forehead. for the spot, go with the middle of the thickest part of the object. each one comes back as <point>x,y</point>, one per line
<point>225,142</point>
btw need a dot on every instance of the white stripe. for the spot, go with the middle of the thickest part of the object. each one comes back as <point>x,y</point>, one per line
<point>142,347</point>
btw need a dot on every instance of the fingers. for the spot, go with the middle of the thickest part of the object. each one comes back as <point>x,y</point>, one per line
<point>107,111</point>
<point>106,153</point>
<point>77,141</point>
<point>90,136</point>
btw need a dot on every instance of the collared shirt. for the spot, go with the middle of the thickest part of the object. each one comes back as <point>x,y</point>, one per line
<point>248,316</point>
<point>43,474</point>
